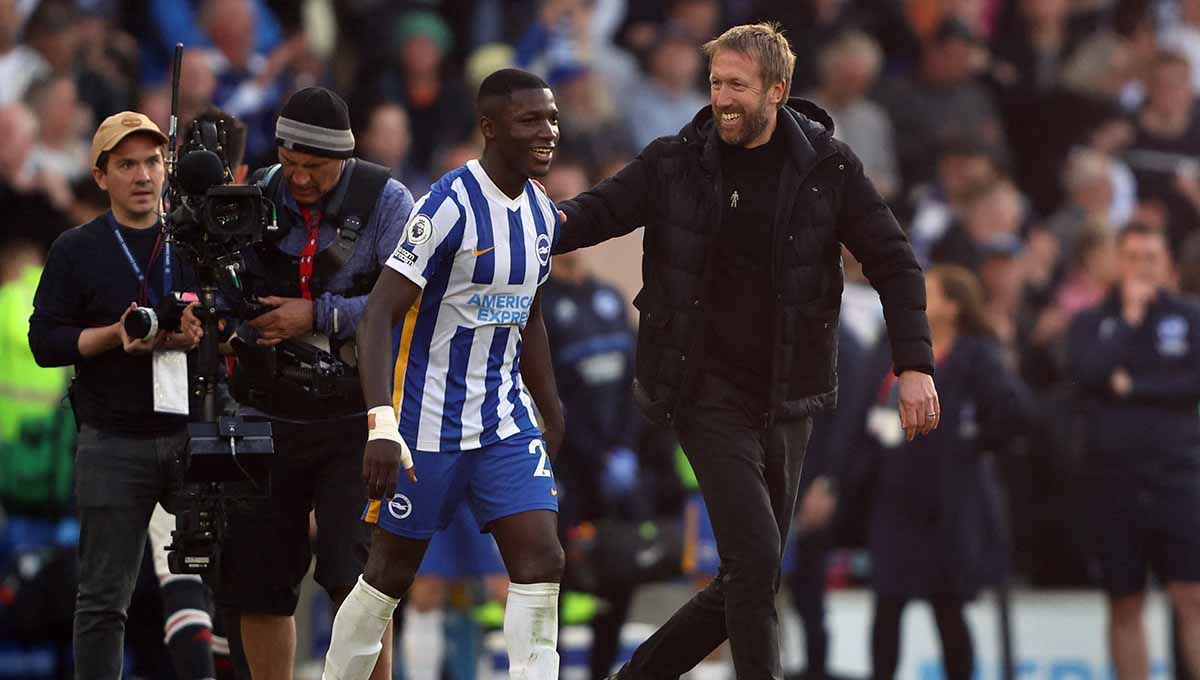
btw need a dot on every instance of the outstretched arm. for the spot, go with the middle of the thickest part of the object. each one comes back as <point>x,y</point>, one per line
<point>610,209</point>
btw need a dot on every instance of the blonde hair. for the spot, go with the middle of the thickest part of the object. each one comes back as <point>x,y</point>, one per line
<point>765,43</point>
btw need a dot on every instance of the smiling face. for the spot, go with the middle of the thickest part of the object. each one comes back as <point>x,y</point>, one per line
<point>133,176</point>
<point>525,131</point>
<point>743,105</point>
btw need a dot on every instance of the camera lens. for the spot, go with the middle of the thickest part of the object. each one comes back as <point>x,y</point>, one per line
<point>141,324</point>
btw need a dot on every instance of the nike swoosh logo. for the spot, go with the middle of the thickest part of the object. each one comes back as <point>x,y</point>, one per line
<point>485,251</point>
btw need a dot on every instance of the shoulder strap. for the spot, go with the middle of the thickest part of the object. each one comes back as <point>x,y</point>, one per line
<point>352,212</point>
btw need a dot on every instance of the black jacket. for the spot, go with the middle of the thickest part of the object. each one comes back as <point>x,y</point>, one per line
<point>1152,435</point>
<point>673,189</point>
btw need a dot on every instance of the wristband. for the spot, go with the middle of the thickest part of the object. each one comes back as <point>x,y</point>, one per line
<point>381,424</point>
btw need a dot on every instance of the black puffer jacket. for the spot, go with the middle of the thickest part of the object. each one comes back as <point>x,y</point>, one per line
<point>672,189</point>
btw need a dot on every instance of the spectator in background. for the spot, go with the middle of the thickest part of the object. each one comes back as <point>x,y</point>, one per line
<point>963,166</point>
<point>60,148</point>
<point>197,86</point>
<point>1039,115</point>
<point>1183,35</point>
<point>250,85</point>
<point>577,31</point>
<point>1112,62</point>
<point>385,138</point>
<point>1029,57</point>
<point>849,66</point>
<point>1091,271</point>
<point>167,22</point>
<point>1167,142</point>
<point>50,45</point>
<point>813,24</point>
<point>668,97</point>
<point>418,78</point>
<point>993,213</point>
<point>942,102</point>
<point>1090,197</point>
<point>14,57</point>
<point>34,203</point>
<point>934,533</point>
<point>593,131</point>
<point>1134,359</point>
<point>108,60</point>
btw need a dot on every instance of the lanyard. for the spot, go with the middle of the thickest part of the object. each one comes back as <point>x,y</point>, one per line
<point>145,292</point>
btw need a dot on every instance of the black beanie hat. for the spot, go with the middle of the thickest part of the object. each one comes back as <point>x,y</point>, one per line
<point>315,121</point>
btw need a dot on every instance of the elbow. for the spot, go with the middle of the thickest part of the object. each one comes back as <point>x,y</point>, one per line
<point>42,354</point>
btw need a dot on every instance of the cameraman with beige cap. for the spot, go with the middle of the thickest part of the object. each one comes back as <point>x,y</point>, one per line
<point>129,394</point>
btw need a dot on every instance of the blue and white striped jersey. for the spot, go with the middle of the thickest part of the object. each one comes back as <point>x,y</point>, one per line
<point>479,257</point>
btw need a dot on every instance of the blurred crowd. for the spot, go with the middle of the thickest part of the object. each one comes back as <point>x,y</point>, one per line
<point>1014,138</point>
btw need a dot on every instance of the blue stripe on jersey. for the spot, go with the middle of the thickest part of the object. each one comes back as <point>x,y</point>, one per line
<point>446,183</point>
<point>491,387</point>
<point>431,302</point>
<point>540,223</point>
<point>456,387</point>
<point>519,413</point>
<point>516,244</point>
<point>485,262</point>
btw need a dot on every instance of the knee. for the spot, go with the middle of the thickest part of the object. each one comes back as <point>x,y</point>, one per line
<point>755,570</point>
<point>1126,610</point>
<point>391,580</point>
<point>1185,597</point>
<point>543,566</point>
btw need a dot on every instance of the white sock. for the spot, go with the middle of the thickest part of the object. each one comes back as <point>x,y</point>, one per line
<point>424,643</point>
<point>357,630</point>
<point>531,631</point>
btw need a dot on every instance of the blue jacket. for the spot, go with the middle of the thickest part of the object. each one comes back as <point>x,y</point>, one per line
<point>1152,435</point>
<point>934,526</point>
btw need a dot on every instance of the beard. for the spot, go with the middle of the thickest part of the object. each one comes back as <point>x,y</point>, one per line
<point>754,122</point>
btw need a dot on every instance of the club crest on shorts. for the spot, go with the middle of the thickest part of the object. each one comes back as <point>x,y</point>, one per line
<point>400,506</point>
<point>419,230</point>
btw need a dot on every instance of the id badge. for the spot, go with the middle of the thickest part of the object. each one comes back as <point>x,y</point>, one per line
<point>170,382</point>
<point>884,424</point>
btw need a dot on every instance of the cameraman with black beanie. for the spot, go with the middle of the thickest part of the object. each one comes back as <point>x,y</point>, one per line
<point>339,219</point>
<point>129,394</point>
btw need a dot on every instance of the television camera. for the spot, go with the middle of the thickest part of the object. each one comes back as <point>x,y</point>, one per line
<point>212,221</point>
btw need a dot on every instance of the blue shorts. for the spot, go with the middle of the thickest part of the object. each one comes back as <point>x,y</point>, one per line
<point>501,480</point>
<point>462,551</point>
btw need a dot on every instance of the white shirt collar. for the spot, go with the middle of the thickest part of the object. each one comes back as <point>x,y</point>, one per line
<point>490,189</point>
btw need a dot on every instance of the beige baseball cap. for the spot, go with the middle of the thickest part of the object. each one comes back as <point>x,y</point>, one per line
<point>119,126</point>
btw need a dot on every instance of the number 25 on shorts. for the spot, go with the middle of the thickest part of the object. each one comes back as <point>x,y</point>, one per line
<point>538,447</point>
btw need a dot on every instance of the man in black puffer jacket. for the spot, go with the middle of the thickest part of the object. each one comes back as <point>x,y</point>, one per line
<point>745,210</point>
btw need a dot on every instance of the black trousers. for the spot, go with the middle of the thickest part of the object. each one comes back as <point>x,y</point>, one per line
<point>748,476</point>
<point>118,480</point>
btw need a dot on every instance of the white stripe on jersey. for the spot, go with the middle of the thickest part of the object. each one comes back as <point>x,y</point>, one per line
<point>479,257</point>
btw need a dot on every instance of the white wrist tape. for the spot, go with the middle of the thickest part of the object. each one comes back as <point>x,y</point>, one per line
<point>381,424</point>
